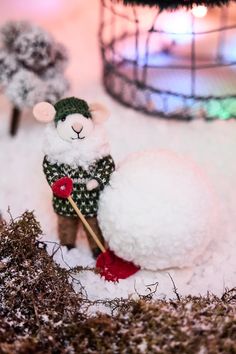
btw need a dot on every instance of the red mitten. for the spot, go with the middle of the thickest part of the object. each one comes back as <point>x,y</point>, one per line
<point>63,187</point>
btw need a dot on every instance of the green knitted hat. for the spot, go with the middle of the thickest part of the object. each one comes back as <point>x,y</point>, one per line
<point>71,105</point>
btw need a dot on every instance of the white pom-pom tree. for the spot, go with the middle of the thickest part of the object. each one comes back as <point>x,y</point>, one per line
<point>32,67</point>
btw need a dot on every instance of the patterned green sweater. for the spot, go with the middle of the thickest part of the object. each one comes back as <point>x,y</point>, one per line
<point>87,201</point>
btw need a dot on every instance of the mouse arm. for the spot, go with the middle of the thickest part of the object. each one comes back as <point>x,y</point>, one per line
<point>103,171</point>
<point>52,171</point>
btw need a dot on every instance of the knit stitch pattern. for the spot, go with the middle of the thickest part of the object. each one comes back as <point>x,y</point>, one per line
<point>71,105</point>
<point>87,201</point>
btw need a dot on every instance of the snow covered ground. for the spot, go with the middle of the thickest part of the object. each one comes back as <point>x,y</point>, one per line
<point>211,145</point>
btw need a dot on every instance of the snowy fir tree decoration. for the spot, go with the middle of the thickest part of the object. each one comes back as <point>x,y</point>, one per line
<point>32,67</point>
<point>171,59</point>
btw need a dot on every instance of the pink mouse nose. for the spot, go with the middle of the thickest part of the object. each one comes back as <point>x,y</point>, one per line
<point>77,126</point>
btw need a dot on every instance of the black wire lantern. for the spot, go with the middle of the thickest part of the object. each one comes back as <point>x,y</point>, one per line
<point>167,62</point>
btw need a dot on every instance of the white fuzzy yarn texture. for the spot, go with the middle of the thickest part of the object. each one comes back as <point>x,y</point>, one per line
<point>159,211</point>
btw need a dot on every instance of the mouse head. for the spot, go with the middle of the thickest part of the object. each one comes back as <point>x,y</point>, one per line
<point>74,119</point>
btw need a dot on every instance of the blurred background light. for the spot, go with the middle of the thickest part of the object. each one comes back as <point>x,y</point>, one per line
<point>199,11</point>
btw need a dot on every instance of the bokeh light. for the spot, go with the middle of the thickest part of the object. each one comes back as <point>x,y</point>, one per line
<point>199,11</point>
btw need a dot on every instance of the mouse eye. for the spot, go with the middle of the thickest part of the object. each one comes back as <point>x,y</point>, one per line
<point>63,119</point>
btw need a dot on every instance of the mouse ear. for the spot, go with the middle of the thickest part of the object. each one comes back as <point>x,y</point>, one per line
<point>99,112</point>
<point>44,112</point>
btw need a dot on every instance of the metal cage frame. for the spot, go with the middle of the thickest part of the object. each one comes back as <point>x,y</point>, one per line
<point>135,92</point>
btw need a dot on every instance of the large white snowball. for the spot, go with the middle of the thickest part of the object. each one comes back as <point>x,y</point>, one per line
<point>159,211</point>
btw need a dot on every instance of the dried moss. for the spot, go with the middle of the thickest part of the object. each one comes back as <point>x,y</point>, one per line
<point>41,313</point>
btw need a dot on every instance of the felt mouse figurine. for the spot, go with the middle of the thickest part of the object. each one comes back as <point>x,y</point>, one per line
<point>76,150</point>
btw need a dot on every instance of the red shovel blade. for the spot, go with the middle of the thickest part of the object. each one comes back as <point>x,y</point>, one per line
<point>113,268</point>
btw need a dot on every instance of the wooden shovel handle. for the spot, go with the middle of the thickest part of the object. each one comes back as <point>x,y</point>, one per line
<point>86,224</point>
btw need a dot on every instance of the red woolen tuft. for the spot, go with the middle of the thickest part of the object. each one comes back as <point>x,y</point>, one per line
<point>63,187</point>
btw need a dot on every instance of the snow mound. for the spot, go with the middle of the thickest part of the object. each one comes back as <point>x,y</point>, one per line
<point>159,211</point>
